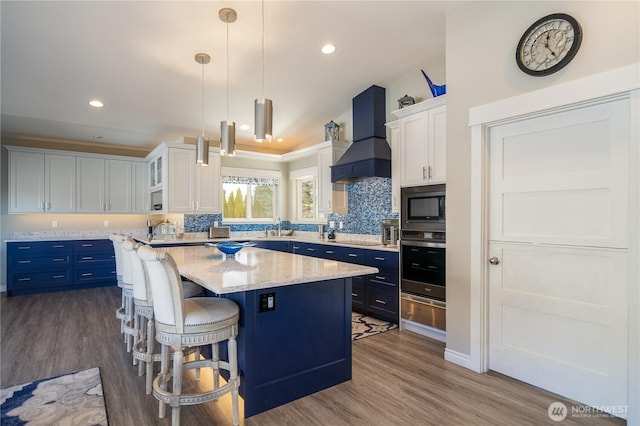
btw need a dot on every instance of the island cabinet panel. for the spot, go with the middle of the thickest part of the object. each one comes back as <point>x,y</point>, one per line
<point>299,348</point>
<point>44,266</point>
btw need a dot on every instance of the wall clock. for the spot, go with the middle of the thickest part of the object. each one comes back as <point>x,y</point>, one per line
<point>549,44</point>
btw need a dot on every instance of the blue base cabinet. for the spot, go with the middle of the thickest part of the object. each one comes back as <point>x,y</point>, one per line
<point>45,266</point>
<point>376,295</point>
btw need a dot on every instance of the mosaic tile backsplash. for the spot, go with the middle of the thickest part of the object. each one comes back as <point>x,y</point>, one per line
<point>369,203</point>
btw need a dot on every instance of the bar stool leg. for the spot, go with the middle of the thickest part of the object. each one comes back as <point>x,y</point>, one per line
<point>233,374</point>
<point>164,369</point>
<point>177,385</point>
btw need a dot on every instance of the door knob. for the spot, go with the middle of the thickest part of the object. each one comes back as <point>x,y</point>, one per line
<point>494,260</point>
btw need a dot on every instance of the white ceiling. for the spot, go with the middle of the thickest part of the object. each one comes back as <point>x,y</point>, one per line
<point>138,57</point>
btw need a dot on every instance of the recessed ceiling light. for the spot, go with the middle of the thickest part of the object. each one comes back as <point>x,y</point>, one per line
<point>328,49</point>
<point>245,127</point>
<point>96,103</point>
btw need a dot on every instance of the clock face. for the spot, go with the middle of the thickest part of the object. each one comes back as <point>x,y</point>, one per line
<point>549,44</point>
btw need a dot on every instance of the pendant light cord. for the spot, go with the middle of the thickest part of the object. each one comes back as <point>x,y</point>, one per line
<point>228,69</point>
<point>202,91</point>
<point>263,91</point>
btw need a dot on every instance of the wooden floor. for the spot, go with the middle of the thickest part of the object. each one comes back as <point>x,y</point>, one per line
<point>399,378</point>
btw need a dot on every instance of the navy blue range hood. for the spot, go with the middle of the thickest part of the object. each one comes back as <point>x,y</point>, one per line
<point>369,155</point>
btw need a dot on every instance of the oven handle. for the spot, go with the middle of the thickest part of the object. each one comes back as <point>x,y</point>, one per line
<point>422,244</point>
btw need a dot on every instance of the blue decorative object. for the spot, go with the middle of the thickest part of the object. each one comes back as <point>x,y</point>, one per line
<point>435,89</point>
<point>229,247</point>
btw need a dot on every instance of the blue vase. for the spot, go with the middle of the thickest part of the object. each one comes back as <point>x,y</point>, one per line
<point>436,90</point>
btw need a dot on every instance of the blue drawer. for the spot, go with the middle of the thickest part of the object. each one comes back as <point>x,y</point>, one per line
<point>33,280</point>
<point>383,259</point>
<point>85,246</point>
<point>387,277</point>
<point>23,263</point>
<point>38,247</point>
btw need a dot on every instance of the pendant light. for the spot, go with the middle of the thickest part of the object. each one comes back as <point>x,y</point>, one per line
<point>263,108</point>
<point>227,129</point>
<point>202,145</point>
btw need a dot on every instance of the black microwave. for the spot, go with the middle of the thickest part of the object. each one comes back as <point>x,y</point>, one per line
<point>423,208</point>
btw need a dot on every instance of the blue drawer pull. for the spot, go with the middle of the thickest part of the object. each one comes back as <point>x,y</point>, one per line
<point>353,255</point>
<point>87,257</point>
<point>24,261</point>
<point>382,302</point>
<point>59,260</point>
<point>87,245</point>
<point>59,246</point>
<point>380,278</point>
<point>379,258</point>
<point>58,276</point>
<point>87,274</point>
<point>24,248</point>
<point>24,279</point>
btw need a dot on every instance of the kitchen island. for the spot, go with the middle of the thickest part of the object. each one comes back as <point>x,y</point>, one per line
<point>295,318</point>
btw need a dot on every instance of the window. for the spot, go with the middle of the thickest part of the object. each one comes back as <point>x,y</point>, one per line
<point>304,184</point>
<point>249,198</point>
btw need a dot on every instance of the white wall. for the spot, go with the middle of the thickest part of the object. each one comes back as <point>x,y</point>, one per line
<point>481,68</point>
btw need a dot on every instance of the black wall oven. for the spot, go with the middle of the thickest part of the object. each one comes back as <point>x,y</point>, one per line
<point>423,269</point>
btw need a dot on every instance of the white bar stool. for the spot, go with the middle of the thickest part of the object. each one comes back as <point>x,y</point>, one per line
<point>125,312</point>
<point>182,323</point>
<point>144,346</point>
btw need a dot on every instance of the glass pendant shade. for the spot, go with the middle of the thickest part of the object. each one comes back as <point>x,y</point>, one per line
<point>202,151</point>
<point>227,138</point>
<point>263,119</point>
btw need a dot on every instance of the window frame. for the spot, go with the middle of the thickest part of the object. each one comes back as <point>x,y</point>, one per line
<point>296,177</point>
<point>252,174</point>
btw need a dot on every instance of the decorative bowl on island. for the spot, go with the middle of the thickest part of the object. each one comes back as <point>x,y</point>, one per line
<point>229,247</point>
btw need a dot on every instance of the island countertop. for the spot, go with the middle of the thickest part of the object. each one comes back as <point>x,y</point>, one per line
<point>254,268</point>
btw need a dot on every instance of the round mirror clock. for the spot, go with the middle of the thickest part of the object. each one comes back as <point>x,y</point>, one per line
<point>549,44</point>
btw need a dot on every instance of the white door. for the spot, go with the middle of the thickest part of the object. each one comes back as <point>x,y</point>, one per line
<point>558,244</point>
<point>90,196</point>
<point>60,183</point>
<point>181,180</point>
<point>26,182</point>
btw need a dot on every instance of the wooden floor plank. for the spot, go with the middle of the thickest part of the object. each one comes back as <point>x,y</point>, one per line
<point>399,378</point>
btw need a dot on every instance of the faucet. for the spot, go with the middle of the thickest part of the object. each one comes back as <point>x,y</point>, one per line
<point>278,222</point>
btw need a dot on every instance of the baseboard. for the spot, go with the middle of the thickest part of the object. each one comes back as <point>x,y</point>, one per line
<point>458,358</point>
<point>424,330</point>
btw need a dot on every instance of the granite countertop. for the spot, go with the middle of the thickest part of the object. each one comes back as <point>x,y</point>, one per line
<point>368,244</point>
<point>253,268</point>
<point>198,238</point>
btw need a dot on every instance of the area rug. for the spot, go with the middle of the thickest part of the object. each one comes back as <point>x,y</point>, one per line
<point>71,399</point>
<point>363,326</point>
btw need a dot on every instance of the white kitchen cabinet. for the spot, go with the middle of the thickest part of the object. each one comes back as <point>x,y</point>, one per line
<point>191,187</point>
<point>41,183</point>
<point>103,186</point>
<point>423,142</point>
<point>332,197</point>
<point>394,137</point>
<point>139,188</point>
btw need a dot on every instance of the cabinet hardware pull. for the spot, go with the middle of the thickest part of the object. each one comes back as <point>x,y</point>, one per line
<point>87,257</point>
<point>42,206</point>
<point>353,255</point>
<point>87,245</point>
<point>48,206</point>
<point>382,302</point>
<point>24,279</point>
<point>427,289</point>
<point>329,251</point>
<point>415,250</point>
<point>59,260</point>
<point>423,177</point>
<point>432,267</point>
<point>310,249</point>
<point>380,278</point>
<point>432,252</point>
<point>87,274</point>
<point>24,248</point>
<point>429,172</point>
<point>379,258</point>
<point>24,261</point>
<point>58,276</point>
<point>59,246</point>
<point>354,294</point>
<point>415,264</point>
